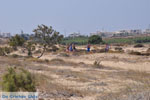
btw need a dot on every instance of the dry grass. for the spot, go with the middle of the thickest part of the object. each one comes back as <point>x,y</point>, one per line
<point>139,87</point>
<point>62,78</point>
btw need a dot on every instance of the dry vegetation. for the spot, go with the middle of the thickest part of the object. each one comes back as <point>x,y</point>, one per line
<point>116,75</point>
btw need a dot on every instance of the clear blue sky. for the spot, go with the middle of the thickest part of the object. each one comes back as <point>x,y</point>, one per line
<point>74,15</point>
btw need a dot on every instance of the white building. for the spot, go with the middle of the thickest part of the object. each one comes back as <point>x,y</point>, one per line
<point>128,32</point>
<point>147,31</point>
<point>75,34</point>
<point>5,35</point>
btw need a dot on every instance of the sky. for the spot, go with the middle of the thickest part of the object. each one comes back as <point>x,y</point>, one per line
<point>67,16</point>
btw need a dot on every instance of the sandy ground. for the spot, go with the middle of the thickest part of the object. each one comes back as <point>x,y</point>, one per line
<point>76,78</point>
<point>116,60</point>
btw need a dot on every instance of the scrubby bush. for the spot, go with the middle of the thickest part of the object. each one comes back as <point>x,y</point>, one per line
<point>97,64</point>
<point>46,60</point>
<point>135,53</point>
<point>2,53</point>
<point>7,50</point>
<point>14,55</point>
<point>95,39</point>
<point>139,45</point>
<point>148,50</point>
<point>102,50</point>
<point>18,80</point>
<point>118,48</point>
<point>52,49</point>
<point>63,55</point>
<point>55,48</point>
<point>57,60</point>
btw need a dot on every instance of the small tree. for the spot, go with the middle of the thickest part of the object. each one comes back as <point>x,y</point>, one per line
<point>95,39</point>
<point>46,36</point>
<point>16,41</point>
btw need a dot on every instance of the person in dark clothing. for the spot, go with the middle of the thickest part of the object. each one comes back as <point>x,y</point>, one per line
<point>70,48</point>
<point>74,47</point>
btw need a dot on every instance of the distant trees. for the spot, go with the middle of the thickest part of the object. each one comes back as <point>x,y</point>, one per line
<point>80,40</point>
<point>143,40</point>
<point>46,36</point>
<point>95,39</point>
<point>25,36</point>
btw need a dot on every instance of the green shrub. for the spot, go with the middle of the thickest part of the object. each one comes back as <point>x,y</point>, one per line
<point>18,80</point>
<point>95,39</point>
<point>14,55</point>
<point>2,53</point>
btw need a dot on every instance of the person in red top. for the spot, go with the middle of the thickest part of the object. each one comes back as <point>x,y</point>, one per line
<point>88,47</point>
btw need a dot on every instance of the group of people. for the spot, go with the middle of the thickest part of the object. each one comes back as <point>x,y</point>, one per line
<point>71,48</point>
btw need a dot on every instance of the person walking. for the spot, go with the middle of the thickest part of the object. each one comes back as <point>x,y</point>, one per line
<point>107,48</point>
<point>74,47</point>
<point>88,47</point>
<point>70,48</point>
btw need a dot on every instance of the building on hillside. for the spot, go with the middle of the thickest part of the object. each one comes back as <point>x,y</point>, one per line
<point>103,34</point>
<point>5,35</point>
<point>137,31</point>
<point>75,34</point>
<point>147,31</point>
<point>123,33</point>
